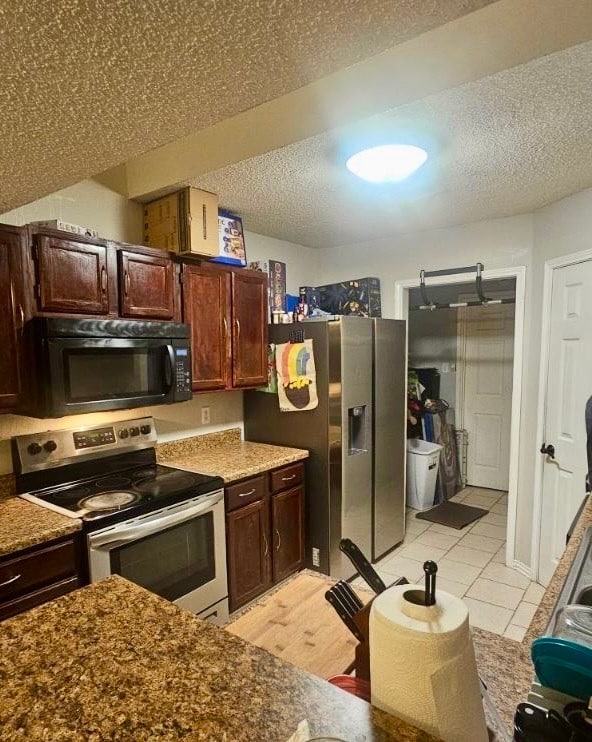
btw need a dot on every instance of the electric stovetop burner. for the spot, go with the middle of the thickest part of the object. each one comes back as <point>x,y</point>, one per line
<point>108,501</point>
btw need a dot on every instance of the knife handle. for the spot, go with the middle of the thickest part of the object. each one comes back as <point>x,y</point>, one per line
<point>362,565</point>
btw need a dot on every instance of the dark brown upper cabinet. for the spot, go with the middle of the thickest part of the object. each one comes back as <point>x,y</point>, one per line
<point>227,311</point>
<point>12,315</point>
<point>249,328</point>
<point>73,276</point>
<point>206,307</point>
<point>148,283</point>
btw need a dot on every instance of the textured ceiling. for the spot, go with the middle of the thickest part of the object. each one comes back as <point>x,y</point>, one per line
<point>507,144</point>
<point>88,84</point>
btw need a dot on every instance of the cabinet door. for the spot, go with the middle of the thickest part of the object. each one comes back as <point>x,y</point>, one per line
<point>146,285</point>
<point>249,329</point>
<point>287,525</point>
<point>247,535</point>
<point>72,276</point>
<point>12,244</point>
<point>206,307</point>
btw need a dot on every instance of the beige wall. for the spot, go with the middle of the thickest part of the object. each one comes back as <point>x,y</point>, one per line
<point>88,204</point>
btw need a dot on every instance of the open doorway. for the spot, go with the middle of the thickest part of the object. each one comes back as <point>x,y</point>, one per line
<point>465,355</point>
<point>474,357</point>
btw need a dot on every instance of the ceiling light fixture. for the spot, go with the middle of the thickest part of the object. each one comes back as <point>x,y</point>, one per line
<point>388,163</point>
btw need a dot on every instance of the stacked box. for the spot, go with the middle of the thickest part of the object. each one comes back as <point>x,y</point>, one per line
<point>276,275</point>
<point>359,297</point>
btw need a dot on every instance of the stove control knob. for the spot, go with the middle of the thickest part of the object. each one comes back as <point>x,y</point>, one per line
<point>134,431</point>
<point>34,449</point>
<point>123,433</point>
<point>50,446</point>
<point>145,429</point>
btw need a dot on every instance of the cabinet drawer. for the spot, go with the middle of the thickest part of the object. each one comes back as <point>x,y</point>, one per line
<point>38,597</point>
<point>288,476</point>
<point>244,493</point>
<point>31,571</point>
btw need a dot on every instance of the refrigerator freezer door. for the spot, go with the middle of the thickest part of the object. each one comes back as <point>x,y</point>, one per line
<point>389,435</point>
<point>356,461</point>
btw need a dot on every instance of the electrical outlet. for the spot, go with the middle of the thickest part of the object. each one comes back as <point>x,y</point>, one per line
<point>205,415</point>
<point>316,557</point>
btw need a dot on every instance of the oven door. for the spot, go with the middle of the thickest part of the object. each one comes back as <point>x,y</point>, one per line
<point>178,553</point>
<point>92,374</point>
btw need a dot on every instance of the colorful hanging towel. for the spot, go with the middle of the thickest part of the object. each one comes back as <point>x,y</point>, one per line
<point>297,379</point>
<point>271,387</point>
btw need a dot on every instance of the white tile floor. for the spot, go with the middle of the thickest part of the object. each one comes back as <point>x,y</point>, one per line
<point>470,565</point>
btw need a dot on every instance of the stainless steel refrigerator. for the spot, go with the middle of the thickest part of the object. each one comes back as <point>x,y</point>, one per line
<point>356,436</point>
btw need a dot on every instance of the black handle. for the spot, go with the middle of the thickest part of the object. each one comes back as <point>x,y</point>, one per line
<point>363,566</point>
<point>430,568</point>
<point>549,450</point>
<point>169,367</point>
<point>343,614</point>
<point>349,595</point>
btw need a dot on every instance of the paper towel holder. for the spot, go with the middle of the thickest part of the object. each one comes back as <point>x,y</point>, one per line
<point>426,597</point>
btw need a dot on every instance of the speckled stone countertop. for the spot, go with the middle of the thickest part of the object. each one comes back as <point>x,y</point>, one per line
<point>226,455</point>
<point>541,617</point>
<point>24,524</point>
<point>505,665</point>
<point>114,662</point>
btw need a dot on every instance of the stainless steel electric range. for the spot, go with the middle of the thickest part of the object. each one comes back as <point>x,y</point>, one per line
<point>158,526</point>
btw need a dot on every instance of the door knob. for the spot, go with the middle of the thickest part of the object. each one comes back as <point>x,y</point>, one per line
<point>549,450</point>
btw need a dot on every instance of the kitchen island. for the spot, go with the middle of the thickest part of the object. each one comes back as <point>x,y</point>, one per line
<point>112,661</point>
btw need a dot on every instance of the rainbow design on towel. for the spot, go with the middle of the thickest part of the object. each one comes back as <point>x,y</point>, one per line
<point>296,372</point>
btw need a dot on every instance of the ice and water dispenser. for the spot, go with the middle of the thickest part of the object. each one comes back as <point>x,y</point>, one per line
<point>356,426</point>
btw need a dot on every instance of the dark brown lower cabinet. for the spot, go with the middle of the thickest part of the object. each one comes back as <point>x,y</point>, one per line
<point>287,523</point>
<point>265,539</point>
<point>37,575</point>
<point>247,541</point>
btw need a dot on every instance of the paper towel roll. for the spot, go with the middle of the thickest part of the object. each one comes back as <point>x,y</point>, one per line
<point>422,665</point>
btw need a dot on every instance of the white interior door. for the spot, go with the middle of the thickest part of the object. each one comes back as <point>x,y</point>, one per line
<point>488,362</point>
<point>569,384</point>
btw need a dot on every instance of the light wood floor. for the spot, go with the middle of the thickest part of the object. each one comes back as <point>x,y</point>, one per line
<point>298,625</point>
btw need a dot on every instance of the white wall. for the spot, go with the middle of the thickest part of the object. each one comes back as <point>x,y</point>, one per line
<point>302,263</point>
<point>88,204</point>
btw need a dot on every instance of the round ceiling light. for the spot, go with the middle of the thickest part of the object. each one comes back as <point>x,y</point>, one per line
<point>388,163</point>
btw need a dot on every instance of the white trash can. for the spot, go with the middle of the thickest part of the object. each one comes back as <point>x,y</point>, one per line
<point>423,459</point>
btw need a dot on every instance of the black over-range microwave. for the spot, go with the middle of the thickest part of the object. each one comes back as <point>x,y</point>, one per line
<point>92,365</point>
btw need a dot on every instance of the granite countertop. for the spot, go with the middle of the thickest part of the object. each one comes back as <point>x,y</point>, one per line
<point>505,665</point>
<point>541,618</point>
<point>112,661</point>
<point>224,454</point>
<point>24,524</point>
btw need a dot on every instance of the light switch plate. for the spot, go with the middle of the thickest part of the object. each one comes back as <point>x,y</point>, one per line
<point>205,415</point>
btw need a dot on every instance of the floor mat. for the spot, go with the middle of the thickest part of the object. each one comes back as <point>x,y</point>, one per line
<point>453,514</point>
<point>295,623</point>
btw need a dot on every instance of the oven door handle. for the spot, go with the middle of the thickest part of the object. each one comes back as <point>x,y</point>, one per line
<point>106,542</point>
